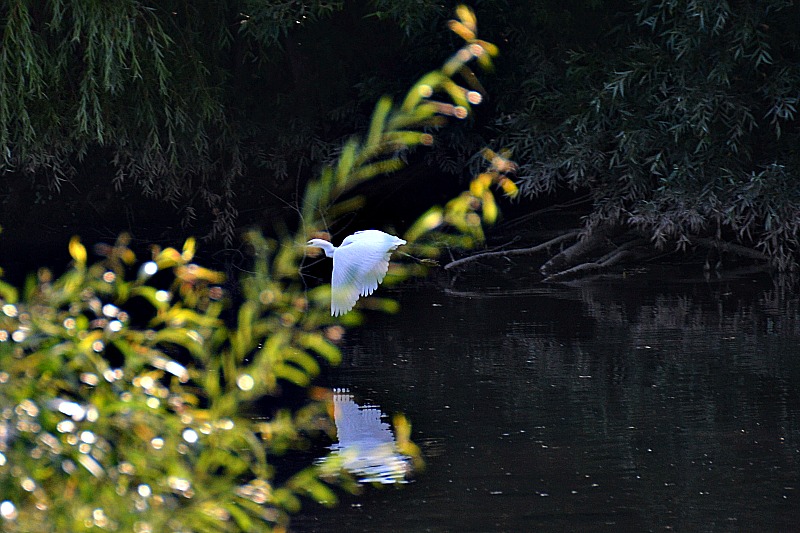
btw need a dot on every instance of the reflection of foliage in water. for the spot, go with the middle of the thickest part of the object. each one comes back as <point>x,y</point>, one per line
<point>122,421</point>
<point>682,386</point>
<point>670,392</point>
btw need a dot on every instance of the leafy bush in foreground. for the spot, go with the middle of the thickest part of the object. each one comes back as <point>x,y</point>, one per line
<point>119,419</point>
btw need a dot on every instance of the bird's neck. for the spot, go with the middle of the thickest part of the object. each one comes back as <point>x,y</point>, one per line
<point>327,247</point>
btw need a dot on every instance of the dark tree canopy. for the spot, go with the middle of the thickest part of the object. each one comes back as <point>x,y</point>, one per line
<point>139,86</point>
<point>676,119</point>
<point>177,100</point>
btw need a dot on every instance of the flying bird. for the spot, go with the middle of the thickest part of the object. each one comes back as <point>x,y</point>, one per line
<point>359,264</point>
<point>366,445</point>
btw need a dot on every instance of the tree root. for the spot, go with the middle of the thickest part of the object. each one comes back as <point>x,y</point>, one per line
<point>619,254</point>
<point>576,260</point>
<point>518,251</point>
<point>730,247</point>
<point>571,256</point>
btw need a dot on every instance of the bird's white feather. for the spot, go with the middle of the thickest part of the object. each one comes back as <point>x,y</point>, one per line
<point>359,266</point>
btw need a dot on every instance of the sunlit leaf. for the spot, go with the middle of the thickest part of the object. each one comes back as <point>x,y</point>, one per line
<point>385,305</point>
<point>430,220</point>
<point>461,30</point>
<point>241,518</point>
<point>376,127</point>
<point>189,248</point>
<point>457,93</point>
<point>424,88</point>
<point>402,431</point>
<point>380,167</point>
<point>467,17</point>
<point>489,48</point>
<point>346,160</point>
<point>287,499</point>
<point>347,206</point>
<point>318,343</point>
<point>181,337</point>
<point>408,138</point>
<point>489,207</point>
<point>152,295</point>
<point>167,258</point>
<point>77,251</point>
<point>195,272</point>
<point>303,360</point>
<point>480,184</point>
<point>8,292</point>
<point>509,187</point>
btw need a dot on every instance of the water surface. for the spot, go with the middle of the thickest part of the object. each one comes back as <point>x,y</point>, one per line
<point>618,405</point>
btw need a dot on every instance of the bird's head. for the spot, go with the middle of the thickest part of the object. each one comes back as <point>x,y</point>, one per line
<point>321,243</point>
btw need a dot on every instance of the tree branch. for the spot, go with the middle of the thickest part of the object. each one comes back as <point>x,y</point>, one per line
<point>617,255</point>
<point>572,255</point>
<point>737,249</point>
<point>518,251</point>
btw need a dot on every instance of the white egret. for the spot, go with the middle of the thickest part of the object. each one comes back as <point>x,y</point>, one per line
<point>366,447</point>
<point>359,264</point>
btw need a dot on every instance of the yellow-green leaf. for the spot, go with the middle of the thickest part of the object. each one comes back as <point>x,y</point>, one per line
<point>77,251</point>
<point>379,115</point>
<point>189,248</point>
<point>318,343</point>
<point>431,219</point>
<point>489,207</point>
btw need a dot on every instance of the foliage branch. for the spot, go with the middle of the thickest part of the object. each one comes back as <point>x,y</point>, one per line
<point>122,419</point>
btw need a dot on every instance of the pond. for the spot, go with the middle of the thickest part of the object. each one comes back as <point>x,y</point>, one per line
<point>630,404</point>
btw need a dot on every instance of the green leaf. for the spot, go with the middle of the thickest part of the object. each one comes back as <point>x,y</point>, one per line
<point>318,343</point>
<point>376,128</point>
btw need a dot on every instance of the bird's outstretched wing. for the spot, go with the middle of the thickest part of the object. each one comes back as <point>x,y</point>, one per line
<point>358,267</point>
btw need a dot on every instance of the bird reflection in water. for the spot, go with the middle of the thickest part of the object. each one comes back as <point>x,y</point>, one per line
<point>366,447</point>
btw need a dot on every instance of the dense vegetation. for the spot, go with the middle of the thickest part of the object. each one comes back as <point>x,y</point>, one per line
<point>673,121</point>
<point>677,118</point>
<point>125,385</point>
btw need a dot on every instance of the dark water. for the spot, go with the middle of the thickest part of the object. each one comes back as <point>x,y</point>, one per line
<point>633,405</point>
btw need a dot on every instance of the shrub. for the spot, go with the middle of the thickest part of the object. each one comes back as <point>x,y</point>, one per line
<point>124,419</point>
